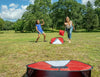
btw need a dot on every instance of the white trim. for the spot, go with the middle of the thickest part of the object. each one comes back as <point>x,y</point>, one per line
<point>58,63</point>
<point>57,41</point>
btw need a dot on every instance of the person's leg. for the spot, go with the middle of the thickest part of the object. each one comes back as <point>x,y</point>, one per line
<point>37,38</point>
<point>67,34</point>
<point>44,37</point>
<point>71,31</point>
<point>70,34</point>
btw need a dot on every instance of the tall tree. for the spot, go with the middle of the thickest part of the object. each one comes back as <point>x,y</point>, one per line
<point>97,3</point>
<point>8,25</point>
<point>64,8</point>
<point>40,10</point>
<point>18,25</point>
<point>97,10</point>
<point>90,22</point>
<point>95,21</point>
<point>1,23</point>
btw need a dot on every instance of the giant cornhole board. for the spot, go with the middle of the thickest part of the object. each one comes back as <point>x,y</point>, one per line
<point>57,40</point>
<point>66,68</point>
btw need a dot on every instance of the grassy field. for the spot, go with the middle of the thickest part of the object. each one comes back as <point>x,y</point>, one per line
<point>18,49</point>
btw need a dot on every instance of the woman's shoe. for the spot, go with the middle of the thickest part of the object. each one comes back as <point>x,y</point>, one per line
<point>69,41</point>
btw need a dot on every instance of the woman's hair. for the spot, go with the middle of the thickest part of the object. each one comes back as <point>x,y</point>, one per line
<point>36,21</point>
<point>65,19</point>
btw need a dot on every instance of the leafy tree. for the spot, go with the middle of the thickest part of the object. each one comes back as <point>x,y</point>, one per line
<point>64,8</point>
<point>18,25</point>
<point>91,20</point>
<point>97,3</point>
<point>97,10</point>
<point>95,21</point>
<point>89,17</point>
<point>1,23</point>
<point>40,10</point>
<point>8,25</point>
<point>77,13</point>
<point>54,15</point>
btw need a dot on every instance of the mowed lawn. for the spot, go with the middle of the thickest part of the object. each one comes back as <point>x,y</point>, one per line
<point>19,49</point>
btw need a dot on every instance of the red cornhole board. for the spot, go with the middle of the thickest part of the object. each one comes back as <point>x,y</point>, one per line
<point>63,68</point>
<point>61,32</point>
<point>57,40</point>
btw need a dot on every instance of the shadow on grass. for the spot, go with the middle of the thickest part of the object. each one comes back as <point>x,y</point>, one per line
<point>35,42</point>
<point>47,31</point>
<point>51,31</point>
<point>56,31</point>
<point>85,31</point>
<point>24,32</point>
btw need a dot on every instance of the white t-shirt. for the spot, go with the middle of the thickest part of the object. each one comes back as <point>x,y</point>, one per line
<point>69,26</point>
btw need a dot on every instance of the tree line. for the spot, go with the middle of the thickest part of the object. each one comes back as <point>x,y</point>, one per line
<point>83,16</point>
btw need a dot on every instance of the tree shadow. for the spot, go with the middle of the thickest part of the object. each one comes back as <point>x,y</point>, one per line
<point>47,31</point>
<point>35,42</point>
<point>50,31</point>
<point>85,31</point>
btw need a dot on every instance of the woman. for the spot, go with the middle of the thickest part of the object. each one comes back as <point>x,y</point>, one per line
<point>69,27</point>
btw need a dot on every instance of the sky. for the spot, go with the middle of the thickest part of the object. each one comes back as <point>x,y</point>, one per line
<point>12,10</point>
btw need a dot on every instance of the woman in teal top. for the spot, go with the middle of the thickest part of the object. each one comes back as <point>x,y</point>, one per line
<point>69,28</point>
<point>39,30</point>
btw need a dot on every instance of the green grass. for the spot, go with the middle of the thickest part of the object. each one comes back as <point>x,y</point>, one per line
<point>18,49</point>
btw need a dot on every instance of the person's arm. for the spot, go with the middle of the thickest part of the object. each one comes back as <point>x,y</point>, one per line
<point>43,22</point>
<point>37,29</point>
<point>65,24</point>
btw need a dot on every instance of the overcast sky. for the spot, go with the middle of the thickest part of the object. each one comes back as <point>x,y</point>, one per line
<point>13,9</point>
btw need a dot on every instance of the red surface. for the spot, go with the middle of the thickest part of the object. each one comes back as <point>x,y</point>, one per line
<point>61,39</point>
<point>42,66</point>
<point>61,32</point>
<point>77,66</point>
<point>72,66</point>
<point>52,40</point>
